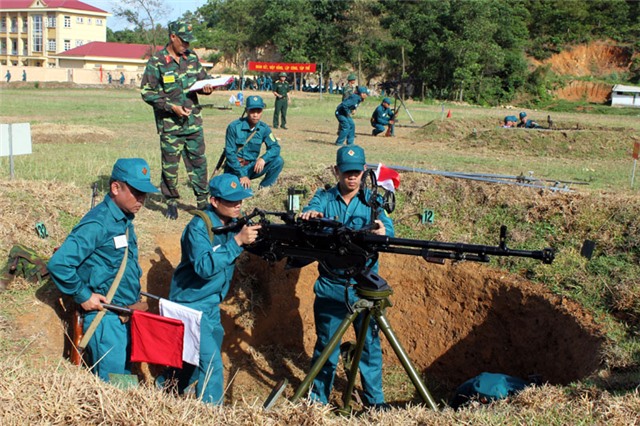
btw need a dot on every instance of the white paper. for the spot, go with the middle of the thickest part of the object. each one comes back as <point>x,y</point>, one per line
<point>214,82</point>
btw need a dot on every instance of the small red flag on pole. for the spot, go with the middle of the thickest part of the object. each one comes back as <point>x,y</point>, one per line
<point>449,114</point>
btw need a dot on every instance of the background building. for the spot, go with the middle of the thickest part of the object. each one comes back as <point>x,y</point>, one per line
<point>32,32</point>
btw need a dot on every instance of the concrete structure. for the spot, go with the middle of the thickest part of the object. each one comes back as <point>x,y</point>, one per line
<point>33,32</point>
<point>628,96</point>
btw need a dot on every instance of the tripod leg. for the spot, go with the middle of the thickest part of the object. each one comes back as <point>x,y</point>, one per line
<point>355,363</point>
<point>324,356</point>
<point>405,108</point>
<point>404,360</point>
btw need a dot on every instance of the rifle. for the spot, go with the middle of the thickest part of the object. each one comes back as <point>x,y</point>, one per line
<point>223,156</point>
<point>77,320</point>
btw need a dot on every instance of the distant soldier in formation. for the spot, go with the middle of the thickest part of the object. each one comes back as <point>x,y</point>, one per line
<point>24,75</point>
<point>281,92</point>
<point>8,76</point>
<point>165,86</point>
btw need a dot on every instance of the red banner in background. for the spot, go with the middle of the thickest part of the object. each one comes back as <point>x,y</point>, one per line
<point>281,66</point>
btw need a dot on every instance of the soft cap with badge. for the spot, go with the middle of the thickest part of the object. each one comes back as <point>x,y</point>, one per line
<point>134,172</point>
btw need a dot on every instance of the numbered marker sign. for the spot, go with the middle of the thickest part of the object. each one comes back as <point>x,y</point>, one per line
<point>428,216</point>
<point>636,150</point>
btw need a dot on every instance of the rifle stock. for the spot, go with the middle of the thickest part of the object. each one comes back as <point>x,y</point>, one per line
<point>75,355</point>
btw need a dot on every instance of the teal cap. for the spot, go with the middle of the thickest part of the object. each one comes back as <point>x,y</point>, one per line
<point>350,157</point>
<point>254,102</point>
<point>523,114</point>
<point>362,89</point>
<point>510,118</point>
<point>134,172</point>
<point>351,77</point>
<point>386,101</point>
<point>183,30</point>
<point>228,187</point>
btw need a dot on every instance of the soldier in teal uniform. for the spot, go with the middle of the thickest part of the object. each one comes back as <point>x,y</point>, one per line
<point>526,123</point>
<point>281,92</point>
<point>203,277</point>
<point>243,141</point>
<point>86,264</point>
<point>346,203</point>
<point>344,111</point>
<point>165,86</point>
<point>350,87</point>
<point>382,117</point>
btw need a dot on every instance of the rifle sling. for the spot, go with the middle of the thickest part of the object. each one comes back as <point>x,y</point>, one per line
<point>223,157</point>
<point>112,291</point>
<point>207,221</point>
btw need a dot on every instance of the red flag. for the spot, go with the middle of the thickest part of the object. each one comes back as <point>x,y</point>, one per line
<point>449,114</point>
<point>387,178</point>
<point>156,339</point>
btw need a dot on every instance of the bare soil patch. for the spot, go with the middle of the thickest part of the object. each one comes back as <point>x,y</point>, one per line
<point>67,133</point>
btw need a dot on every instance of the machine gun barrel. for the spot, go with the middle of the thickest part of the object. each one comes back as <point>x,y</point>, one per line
<point>446,250</point>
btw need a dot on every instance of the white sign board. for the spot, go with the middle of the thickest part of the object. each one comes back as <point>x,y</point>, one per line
<point>15,139</point>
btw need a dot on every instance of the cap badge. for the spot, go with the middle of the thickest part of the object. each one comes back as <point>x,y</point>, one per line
<point>144,171</point>
<point>350,152</point>
<point>233,185</point>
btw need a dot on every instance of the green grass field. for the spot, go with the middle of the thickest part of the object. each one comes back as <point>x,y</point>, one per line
<point>78,134</point>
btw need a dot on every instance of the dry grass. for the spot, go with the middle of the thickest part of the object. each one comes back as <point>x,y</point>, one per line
<point>66,395</point>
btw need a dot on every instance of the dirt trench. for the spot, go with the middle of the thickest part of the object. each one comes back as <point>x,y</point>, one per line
<point>454,321</point>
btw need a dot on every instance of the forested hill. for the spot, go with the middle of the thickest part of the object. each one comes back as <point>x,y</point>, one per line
<point>479,51</point>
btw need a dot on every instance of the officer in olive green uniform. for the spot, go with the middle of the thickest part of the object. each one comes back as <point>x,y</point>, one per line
<point>165,86</point>
<point>281,92</point>
<point>350,87</point>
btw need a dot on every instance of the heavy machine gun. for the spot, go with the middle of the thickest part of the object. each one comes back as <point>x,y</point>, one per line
<point>350,254</point>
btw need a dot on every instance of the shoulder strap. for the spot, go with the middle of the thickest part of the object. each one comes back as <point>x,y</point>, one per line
<point>207,221</point>
<point>112,291</point>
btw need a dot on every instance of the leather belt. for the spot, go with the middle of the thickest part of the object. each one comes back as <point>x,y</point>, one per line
<point>243,162</point>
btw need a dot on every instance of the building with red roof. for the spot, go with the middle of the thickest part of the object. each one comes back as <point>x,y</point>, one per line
<point>34,32</point>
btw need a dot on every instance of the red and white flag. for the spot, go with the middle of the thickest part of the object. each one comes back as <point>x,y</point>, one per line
<point>387,178</point>
<point>156,339</point>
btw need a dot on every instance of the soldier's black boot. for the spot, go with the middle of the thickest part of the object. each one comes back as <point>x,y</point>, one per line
<point>172,212</point>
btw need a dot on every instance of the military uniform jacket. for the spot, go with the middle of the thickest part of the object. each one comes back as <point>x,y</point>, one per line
<point>281,88</point>
<point>166,82</point>
<point>382,115</point>
<point>347,91</point>
<point>356,216</point>
<point>89,259</point>
<point>204,273</point>
<point>350,104</point>
<point>236,145</point>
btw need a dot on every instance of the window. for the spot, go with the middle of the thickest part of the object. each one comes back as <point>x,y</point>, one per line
<point>3,24</point>
<point>79,43</point>
<point>99,22</point>
<point>25,25</point>
<point>67,44</point>
<point>67,21</point>
<point>36,21</point>
<point>51,46</point>
<point>14,47</point>
<point>79,20</point>
<point>89,21</point>
<point>3,46</point>
<point>51,21</point>
<point>14,25</point>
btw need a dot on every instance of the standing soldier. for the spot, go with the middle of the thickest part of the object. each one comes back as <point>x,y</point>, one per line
<point>350,87</point>
<point>280,91</point>
<point>98,263</point>
<point>344,111</point>
<point>165,86</point>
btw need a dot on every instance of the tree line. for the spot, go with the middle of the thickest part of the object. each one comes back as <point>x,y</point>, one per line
<point>471,50</point>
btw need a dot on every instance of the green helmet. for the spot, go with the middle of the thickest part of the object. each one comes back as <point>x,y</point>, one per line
<point>351,77</point>
<point>254,102</point>
<point>282,74</point>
